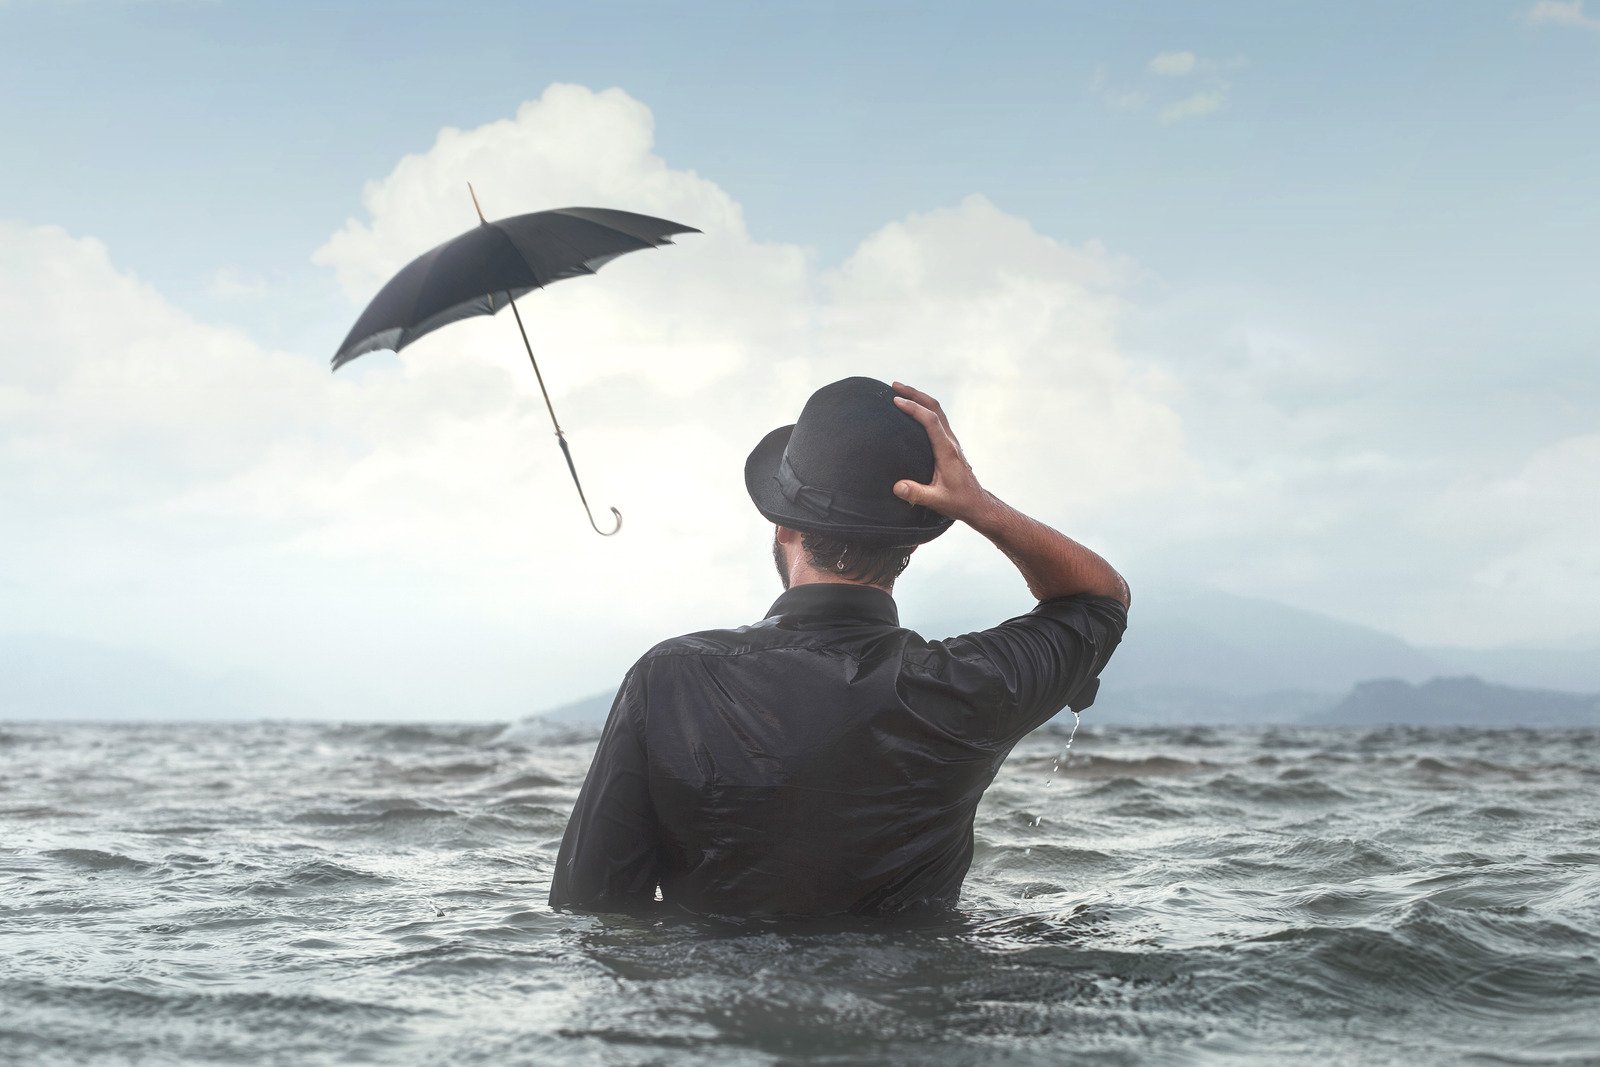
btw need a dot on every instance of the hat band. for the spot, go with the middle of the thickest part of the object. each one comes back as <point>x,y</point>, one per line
<point>829,504</point>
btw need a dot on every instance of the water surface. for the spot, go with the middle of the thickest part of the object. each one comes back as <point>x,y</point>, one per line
<point>299,893</point>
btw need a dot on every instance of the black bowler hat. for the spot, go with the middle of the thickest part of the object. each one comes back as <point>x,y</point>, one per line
<point>833,471</point>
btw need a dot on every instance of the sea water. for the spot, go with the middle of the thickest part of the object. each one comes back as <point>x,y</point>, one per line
<point>317,894</point>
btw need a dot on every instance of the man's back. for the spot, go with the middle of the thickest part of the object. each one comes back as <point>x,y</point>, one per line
<point>823,761</point>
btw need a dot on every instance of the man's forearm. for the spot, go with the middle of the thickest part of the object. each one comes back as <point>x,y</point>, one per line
<point>1053,564</point>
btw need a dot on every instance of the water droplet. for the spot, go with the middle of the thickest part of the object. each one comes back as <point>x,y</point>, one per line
<point>1066,749</point>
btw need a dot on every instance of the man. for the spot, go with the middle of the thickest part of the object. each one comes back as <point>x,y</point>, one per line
<point>825,761</point>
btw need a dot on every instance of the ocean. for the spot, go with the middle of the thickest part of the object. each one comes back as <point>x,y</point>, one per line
<point>294,893</point>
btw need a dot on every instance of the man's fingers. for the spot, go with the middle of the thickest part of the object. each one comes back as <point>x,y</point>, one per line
<point>915,394</point>
<point>926,401</point>
<point>938,432</point>
<point>929,419</point>
<point>944,445</point>
<point>911,492</point>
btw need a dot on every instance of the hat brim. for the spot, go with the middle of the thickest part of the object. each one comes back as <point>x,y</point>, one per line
<point>761,482</point>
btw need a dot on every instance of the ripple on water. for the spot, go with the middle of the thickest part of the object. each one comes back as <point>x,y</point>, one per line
<point>377,815</point>
<point>1146,807</point>
<point>1095,767</point>
<point>1045,856</point>
<point>527,781</point>
<point>311,878</point>
<point>114,1022</point>
<point>415,736</point>
<point>1322,858</point>
<point>1300,790</point>
<point>1430,959</point>
<point>28,812</point>
<point>435,773</point>
<point>95,859</point>
<point>1501,812</point>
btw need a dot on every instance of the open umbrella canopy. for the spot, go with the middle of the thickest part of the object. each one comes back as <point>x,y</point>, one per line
<point>487,268</point>
<point>481,271</point>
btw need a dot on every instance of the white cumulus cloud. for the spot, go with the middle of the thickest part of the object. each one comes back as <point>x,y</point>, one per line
<point>1562,13</point>
<point>404,534</point>
<point>1173,64</point>
<point>403,537</point>
<point>1161,89</point>
<point>1195,105</point>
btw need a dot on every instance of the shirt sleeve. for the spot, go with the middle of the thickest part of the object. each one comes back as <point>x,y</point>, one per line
<point>1028,668</point>
<point>608,859</point>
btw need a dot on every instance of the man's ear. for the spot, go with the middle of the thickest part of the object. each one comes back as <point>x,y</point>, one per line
<point>787,536</point>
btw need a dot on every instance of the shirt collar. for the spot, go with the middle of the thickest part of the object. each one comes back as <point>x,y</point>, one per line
<point>840,599</point>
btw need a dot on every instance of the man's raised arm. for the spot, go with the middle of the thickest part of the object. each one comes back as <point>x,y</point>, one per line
<point>1053,564</point>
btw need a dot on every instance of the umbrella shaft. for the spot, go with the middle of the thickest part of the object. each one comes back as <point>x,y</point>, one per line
<point>536,372</point>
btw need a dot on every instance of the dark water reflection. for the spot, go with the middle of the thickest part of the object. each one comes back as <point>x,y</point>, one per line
<point>327,894</point>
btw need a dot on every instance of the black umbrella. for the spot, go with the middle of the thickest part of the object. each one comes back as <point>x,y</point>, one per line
<point>487,268</point>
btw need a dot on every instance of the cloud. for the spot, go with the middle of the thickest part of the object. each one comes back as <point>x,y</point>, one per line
<point>1160,90</point>
<point>1172,64</point>
<point>228,284</point>
<point>99,366</point>
<point>1562,13</point>
<point>1525,538</point>
<point>403,535</point>
<point>1195,105</point>
<point>1018,330</point>
<point>403,538</point>
<point>1114,97</point>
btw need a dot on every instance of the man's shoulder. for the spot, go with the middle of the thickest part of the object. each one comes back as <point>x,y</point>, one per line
<point>1070,624</point>
<point>717,642</point>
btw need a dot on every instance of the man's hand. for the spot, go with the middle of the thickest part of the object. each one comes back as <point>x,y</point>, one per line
<point>1053,564</point>
<point>954,491</point>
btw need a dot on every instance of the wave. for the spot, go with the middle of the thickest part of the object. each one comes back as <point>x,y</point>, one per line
<point>536,732</point>
<point>111,998</point>
<point>1433,958</point>
<point>310,878</point>
<point>1288,789</point>
<point>415,735</point>
<point>95,859</point>
<point>41,811</point>
<point>524,782</point>
<point>1096,766</point>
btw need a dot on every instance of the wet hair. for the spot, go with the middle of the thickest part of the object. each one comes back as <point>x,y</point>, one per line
<point>873,564</point>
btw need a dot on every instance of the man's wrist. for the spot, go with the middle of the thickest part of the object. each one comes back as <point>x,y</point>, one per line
<point>988,513</point>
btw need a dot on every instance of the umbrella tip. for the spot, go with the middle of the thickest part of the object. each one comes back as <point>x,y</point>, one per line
<point>474,194</point>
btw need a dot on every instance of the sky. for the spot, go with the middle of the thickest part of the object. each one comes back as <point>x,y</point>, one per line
<point>1290,301</point>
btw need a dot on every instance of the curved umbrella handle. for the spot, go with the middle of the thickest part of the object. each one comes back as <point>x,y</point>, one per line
<point>567,451</point>
<point>607,533</point>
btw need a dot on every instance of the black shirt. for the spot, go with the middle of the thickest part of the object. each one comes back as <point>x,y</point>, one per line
<point>823,761</point>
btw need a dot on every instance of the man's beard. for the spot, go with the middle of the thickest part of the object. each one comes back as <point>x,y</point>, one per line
<point>779,560</point>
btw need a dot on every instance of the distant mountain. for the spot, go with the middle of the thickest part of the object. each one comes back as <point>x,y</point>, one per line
<point>1196,656</point>
<point>1461,701</point>
<point>1576,669</point>
<point>1201,639</point>
<point>1191,655</point>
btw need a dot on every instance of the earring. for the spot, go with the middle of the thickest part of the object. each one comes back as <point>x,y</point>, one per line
<point>840,565</point>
